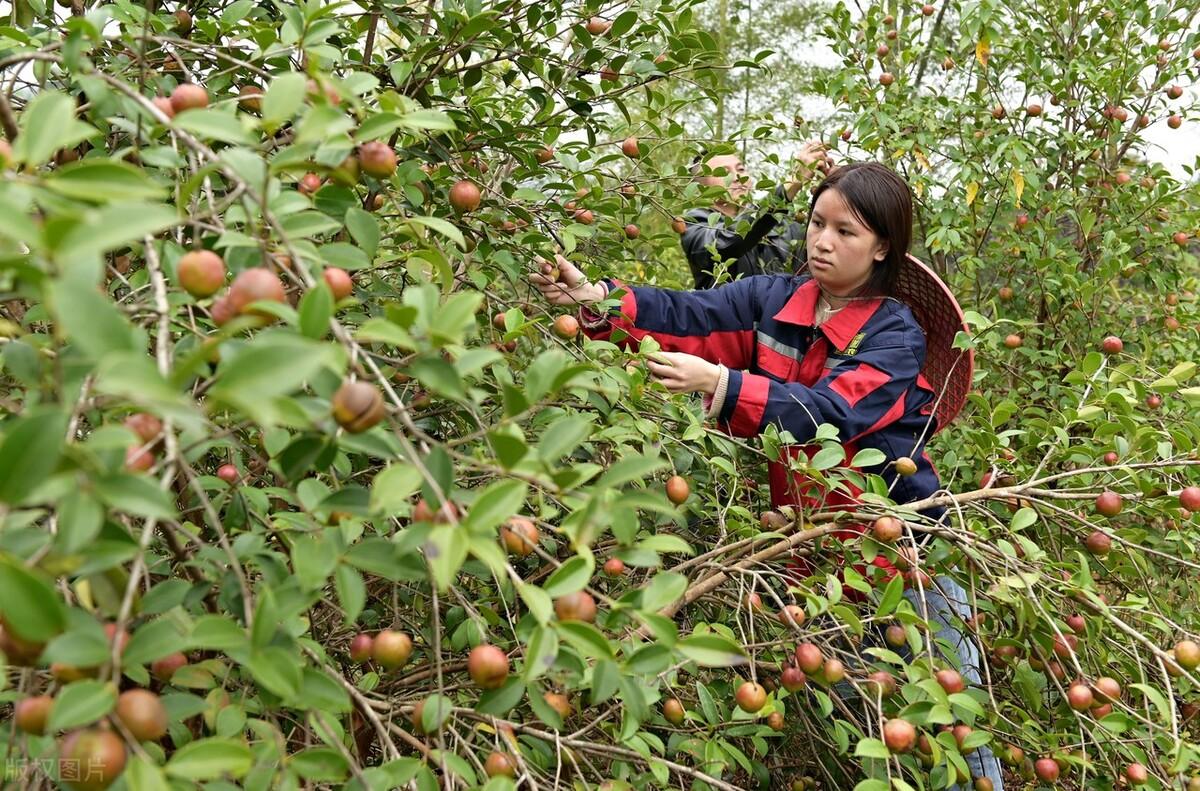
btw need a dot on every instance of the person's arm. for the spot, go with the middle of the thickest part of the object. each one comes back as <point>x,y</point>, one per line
<point>861,394</point>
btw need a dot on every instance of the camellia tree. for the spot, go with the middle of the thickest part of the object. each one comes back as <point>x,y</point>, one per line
<point>301,487</point>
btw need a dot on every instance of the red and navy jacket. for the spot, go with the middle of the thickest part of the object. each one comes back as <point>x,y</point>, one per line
<point>860,371</point>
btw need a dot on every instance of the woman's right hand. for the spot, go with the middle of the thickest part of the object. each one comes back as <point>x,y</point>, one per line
<point>562,283</point>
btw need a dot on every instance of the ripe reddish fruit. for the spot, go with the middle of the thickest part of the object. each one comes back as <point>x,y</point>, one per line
<point>792,679</point>
<point>465,196</point>
<point>544,154</point>
<point>950,680</point>
<point>183,22</point>
<point>1137,774</point>
<point>1112,345</point>
<point>1180,238</point>
<point>750,697</point>
<point>927,10</point>
<point>809,658</point>
<point>1022,220</point>
<point>677,489</point>
<point>775,721</point>
<point>487,666</point>
<point>201,273</point>
<point>882,50</point>
<point>1187,654</point>
<point>559,702</point>
<point>188,96</point>
<point>673,711</point>
<point>1064,646</point>
<point>791,614</point>
<point>886,78</point>
<point>377,159</point>
<point>630,147</point>
<point>905,466</point>
<point>31,714</point>
<point>895,635</point>
<point>391,649</point>
<point>960,733</point>
<point>614,567</point>
<point>1111,457</point>
<point>139,458</point>
<point>1080,697</point>
<point>1109,503</point>
<point>1154,400</point>
<point>998,112</point>
<point>1100,712</point>
<point>1174,121</point>
<point>577,606</point>
<point>500,764</point>
<point>147,427</point>
<point>1006,294</point>
<point>632,231</point>
<point>519,535</point>
<point>1076,623</point>
<point>1171,323</point>
<point>445,514</point>
<point>339,282</point>
<point>679,225</point>
<point>947,63</point>
<point>1033,110</point>
<point>257,284</point>
<point>598,26</point>
<point>832,671</point>
<point>361,647</point>
<point>250,98</point>
<point>887,529</point>
<point>881,683</point>
<point>308,184</point>
<point>1098,543</point>
<point>566,327</point>
<point>899,735</point>
<point>97,757</point>
<point>228,473</point>
<point>1013,341</point>
<point>163,669</point>
<point>584,216</point>
<point>357,406</point>
<point>1189,498</point>
<point>1046,770</point>
<point>1106,689</point>
<point>142,714</point>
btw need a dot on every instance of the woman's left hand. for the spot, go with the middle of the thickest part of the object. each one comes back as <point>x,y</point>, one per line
<point>684,373</point>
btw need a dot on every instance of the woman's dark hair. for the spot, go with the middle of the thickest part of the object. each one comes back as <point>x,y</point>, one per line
<point>882,201</point>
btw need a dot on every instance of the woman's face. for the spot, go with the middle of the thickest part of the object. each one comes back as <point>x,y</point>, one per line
<point>841,249</point>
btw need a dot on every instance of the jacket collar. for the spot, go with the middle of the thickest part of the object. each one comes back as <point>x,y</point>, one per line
<point>841,327</point>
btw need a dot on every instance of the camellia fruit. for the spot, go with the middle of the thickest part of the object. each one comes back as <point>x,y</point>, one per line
<point>164,106</point>
<point>673,711</point>
<point>465,196</point>
<point>1098,543</point>
<point>614,567</point>
<point>201,273</point>
<point>632,231</point>
<point>566,327</point>
<point>257,284</point>
<point>1137,774</point>
<point>164,668</point>
<point>250,98</point>
<point>809,658</point>
<point>487,666</point>
<point>309,183</point>
<point>544,154</point>
<point>339,282</point>
<point>357,406</point>
<point>519,535</point>
<point>899,735</point>
<point>1187,654</point>
<point>97,757</point>
<point>678,489</point>
<point>228,473</point>
<point>905,466</point>
<point>147,427</point>
<point>377,159</point>
<point>1112,345</point>
<point>792,679</point>
<point>1013,341</point>
<point>1046,770</point>
<point>559,702</point>
<point>143,714</point>
<point>1107,690</point>
<point>391,649</point>
<point>679,225</point>
<point>886,78</point>
<point>577,606</point>
<point>1109,503</point>
<point>1080,697</point>
<point>361,648</point>
<point>31,714</point>
<point>887,529</point>
<point>598,26</point>
<point>791,615</point>
<point>630,147</point>
<point>1189,498</point>
<point>446,514</point>
<point>775,721</point>
<point>188,96</point>
<point>950,680</point>
<point>750,697</point>
<point>500,764</point>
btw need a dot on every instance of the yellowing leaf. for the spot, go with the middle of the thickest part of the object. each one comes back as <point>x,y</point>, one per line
<point>983,50</point>
<point>972,192</point>
<point>1018,186</point>
<point>920,156</point>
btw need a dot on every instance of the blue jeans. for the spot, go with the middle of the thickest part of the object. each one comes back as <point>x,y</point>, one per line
<point>942,600</point>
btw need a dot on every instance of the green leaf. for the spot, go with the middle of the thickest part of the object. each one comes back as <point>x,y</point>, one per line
<point>78,648</point>
<point>48,123</point>
<point>103,181</point>
<point>394,487</point>
<point>316,309</point>
<point>114,226</point>
<point>435,120</point>
<point>135,494</point>
<point>871,748</point>
<point>586,639</point>
<point>364,228</point>
<point>29,452</point>
<point>537,601</point>
<point>213,125</point>
<point>891,596</point>
<point>141,775</point>
<point>563,436</point>
<point>445,551</point>
<point>81,703</point>
<point>91,321</point>
<point>268,369</point>
<point>499,501</point>
<point>868,457</point>
<point>664,589</point>
<point>283,98</point>
<point>632,468</point>
<point>208,759</point>
<point>828,457</point>
<point>80,517</point>
<point>29,603</point>
<point>540,652</point>
<point>443,227</point>
<point>711,650</point>
<point>151,641</point>
<point>313,560</point>
<point>570,577</point>
<point>351,591</point>
<point>277,669</point>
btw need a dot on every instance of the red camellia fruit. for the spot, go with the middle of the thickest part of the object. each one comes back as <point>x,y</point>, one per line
<point>445,515</point>
<point>544,154</point>
<point>679,225</point>
<point>147,427</point>
<point>1154,401</point>
<point>228,473</point>
<point>1109,503</point>
<point>1112,345</point>
<point>1076,623</point>
<point>465,196</point>
<point>677,489</point>
<point>201,273</point>
<point>188,96</point>
<point>792,679</point>
<point>566,327</point>
<point>1098,543</point>
<point>1107,690</point>
<point>163,669</point>
<point>31,714</point>
<point>927,10</point>
<point>377,159</point>
<point>791,614</point>
<point>1080,697</point>
<point>17,650</point>
<point>164,106</point>
<point>887,529</point>
<point>361,647</point>
<point>339,282</point>
<point>886,78</point>
<point>1111,457</point>
<point>500,764</point>
<point>598,26</point>
<point>1033,110</point>
<point>632,231</point>
<point>391,649</point>
<point>750,697</point>
<point>1189,498</point>
<point>1180,238</point>
<point>899,735</point>
<point>257,284</point>
<point>630,147</point>
<point>519,536</point>
<point>809,658</point>
<point>357,406</point>
<point>614,567</point>
<point>1174,121</point>
<point>143,714</point>
<point>881,683</point>
<point>584,216</point>
<point>487,666</point>
<point>309,183</point>
<point>1012,341</point>
<point>1137,774</point>
<point>250,98</point>
<point>1187,654</point>
<point>895,635</point>
<point>1046,770</point>
<point>950,680</point>
<point>559,702</point>
<point>95,756</point>
<point>577,606</point>
<point>673,711</point>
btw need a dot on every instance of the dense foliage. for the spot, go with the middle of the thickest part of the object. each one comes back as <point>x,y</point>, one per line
<point>300,486</point>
